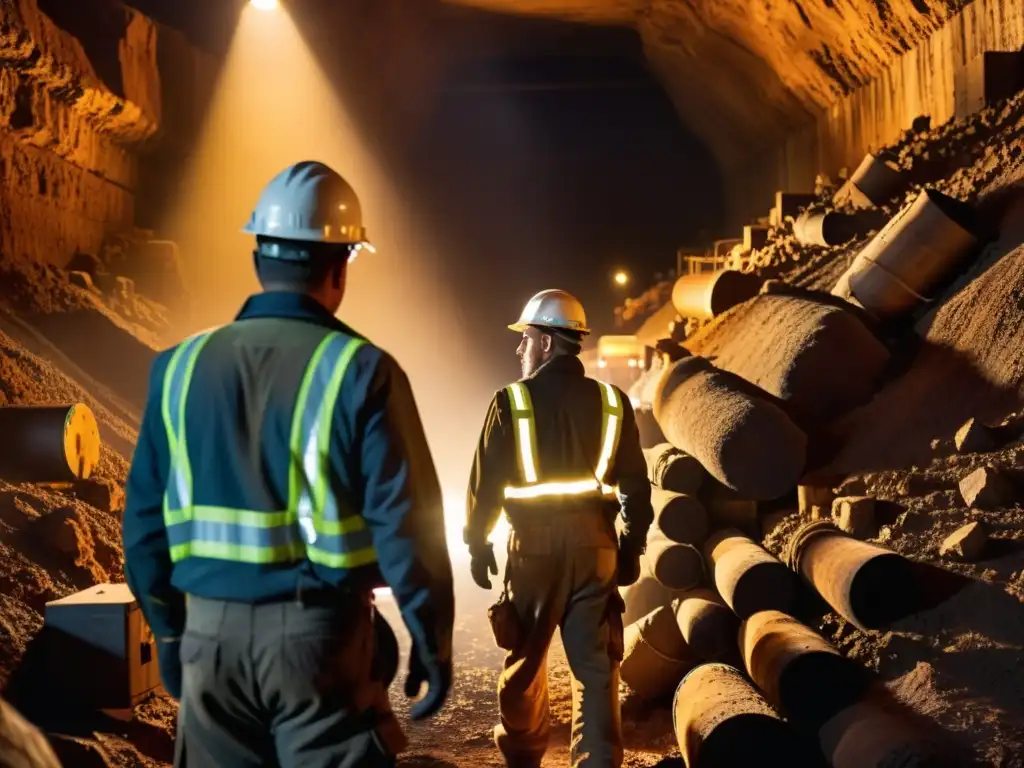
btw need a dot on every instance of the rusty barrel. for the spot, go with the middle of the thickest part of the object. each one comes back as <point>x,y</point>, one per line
<point>868,735</point>
<point>800,673</point>
<point>679,517</point>
<point>655,654</point>
<point>834,228</point>
<point>676,566</point>
<point>747,577</point>
<point>912,255</point>
<point>703,296</point>
<point>875,182</point>
<point>869,586</point>
<point>707,624</point>
<point>721,720</point>
<point>48,443</point>
<point>672,470</point>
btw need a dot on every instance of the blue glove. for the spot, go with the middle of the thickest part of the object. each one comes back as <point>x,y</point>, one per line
<point>168,653</point>
<point>438,677</point>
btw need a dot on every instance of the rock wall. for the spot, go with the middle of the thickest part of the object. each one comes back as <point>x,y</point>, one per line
<point>927,80</point>
<point>71,117</point>
<point>780,90</point>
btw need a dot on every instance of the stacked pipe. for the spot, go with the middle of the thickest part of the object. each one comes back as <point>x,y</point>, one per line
<point>869,586</point>
<point>743,439</point>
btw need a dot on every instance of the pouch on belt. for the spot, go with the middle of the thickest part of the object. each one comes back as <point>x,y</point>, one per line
<point>505,622</point>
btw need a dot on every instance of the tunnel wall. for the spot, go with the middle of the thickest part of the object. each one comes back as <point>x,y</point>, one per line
<point>924,81</point>
<point>72,117</point>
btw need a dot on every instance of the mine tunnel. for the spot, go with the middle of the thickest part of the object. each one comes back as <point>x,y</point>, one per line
<point>797,233</point>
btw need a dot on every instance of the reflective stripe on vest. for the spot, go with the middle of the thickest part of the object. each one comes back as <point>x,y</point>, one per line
<point>526,447</point>
<point>314,525</point>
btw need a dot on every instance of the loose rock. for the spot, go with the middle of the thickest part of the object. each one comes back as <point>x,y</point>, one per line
<point>967,543</point>
<point>986,488</point>
<point>855,515</point>
<point>974,437</point>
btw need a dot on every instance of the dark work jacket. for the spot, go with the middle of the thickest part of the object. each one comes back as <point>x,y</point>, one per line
<point>238,422</point>
<point>567,409</point>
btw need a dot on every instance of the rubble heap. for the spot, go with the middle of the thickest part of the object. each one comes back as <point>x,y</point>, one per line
<point>889,570</point>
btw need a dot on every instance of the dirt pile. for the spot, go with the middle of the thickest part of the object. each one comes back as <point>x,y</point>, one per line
<point>820,358</point>
<point>56,540</point>
<point>959,356</point>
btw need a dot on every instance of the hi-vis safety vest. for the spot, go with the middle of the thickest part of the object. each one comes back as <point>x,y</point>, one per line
<point>315,526</point>
<point>526,448</point>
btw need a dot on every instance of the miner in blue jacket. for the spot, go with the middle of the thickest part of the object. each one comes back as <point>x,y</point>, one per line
<point>281,474</point>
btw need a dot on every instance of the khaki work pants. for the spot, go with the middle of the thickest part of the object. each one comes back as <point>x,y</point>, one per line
<point>563,575</point>
<point>283,684</point>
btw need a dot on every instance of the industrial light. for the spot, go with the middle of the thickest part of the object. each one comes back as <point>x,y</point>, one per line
<point>263,5</point>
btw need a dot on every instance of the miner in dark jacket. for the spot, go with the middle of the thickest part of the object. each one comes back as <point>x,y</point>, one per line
<point>281,474</point>
<point>561,454</point>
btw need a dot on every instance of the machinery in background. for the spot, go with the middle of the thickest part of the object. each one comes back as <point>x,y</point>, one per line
<point>618,360</point>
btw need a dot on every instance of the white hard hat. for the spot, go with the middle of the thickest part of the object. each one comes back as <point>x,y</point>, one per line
<point>553,309</point>
<point>309,202</point>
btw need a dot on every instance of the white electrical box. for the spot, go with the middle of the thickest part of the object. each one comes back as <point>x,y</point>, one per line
<point>100,651</point>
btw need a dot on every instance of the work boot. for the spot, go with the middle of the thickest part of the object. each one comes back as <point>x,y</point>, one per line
<point>515,759</point>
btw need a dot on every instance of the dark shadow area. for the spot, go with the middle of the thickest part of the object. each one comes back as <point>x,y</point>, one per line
<point>62,683</point>
<point>881,730</point>
<point>105,351</point>
<point>424,761</point>
<point>938,391</point>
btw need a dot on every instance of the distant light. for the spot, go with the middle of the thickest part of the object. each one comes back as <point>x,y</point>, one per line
<point>621,277</point>
<point>632,363</point>
<point>263,5</point>
<point>602,363</point>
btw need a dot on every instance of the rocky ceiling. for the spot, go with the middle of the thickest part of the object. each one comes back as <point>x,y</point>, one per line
<point>744,73</point>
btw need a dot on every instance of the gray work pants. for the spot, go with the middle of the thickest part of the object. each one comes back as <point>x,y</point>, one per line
<point>562,574</point>
<point>283,684</point>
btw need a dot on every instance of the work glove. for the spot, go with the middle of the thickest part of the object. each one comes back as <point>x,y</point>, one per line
<point>629,562</point>
<point>438,677</point>
<point>482,562</point>
<point>168,654</point>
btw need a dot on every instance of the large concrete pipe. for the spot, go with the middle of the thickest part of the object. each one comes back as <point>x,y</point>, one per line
<point>48,443</point>
<point>834,228</point>
<point>704,295</point>
<point>748,578</point>
<point>869,586</point>
<point>655,655</point>
<point>676,566</point>
<point>648,427</point>
<point>918,249</point>
<point>721,720</point>
<point>707,624</point>
<point>727,509</point>
<point>679,518</point>
<point>876,181</point>
<point>745,442</point>
<point>645,595</point>
<point>867,735</point>
<point>800,674</point>
<point>673,470</point>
